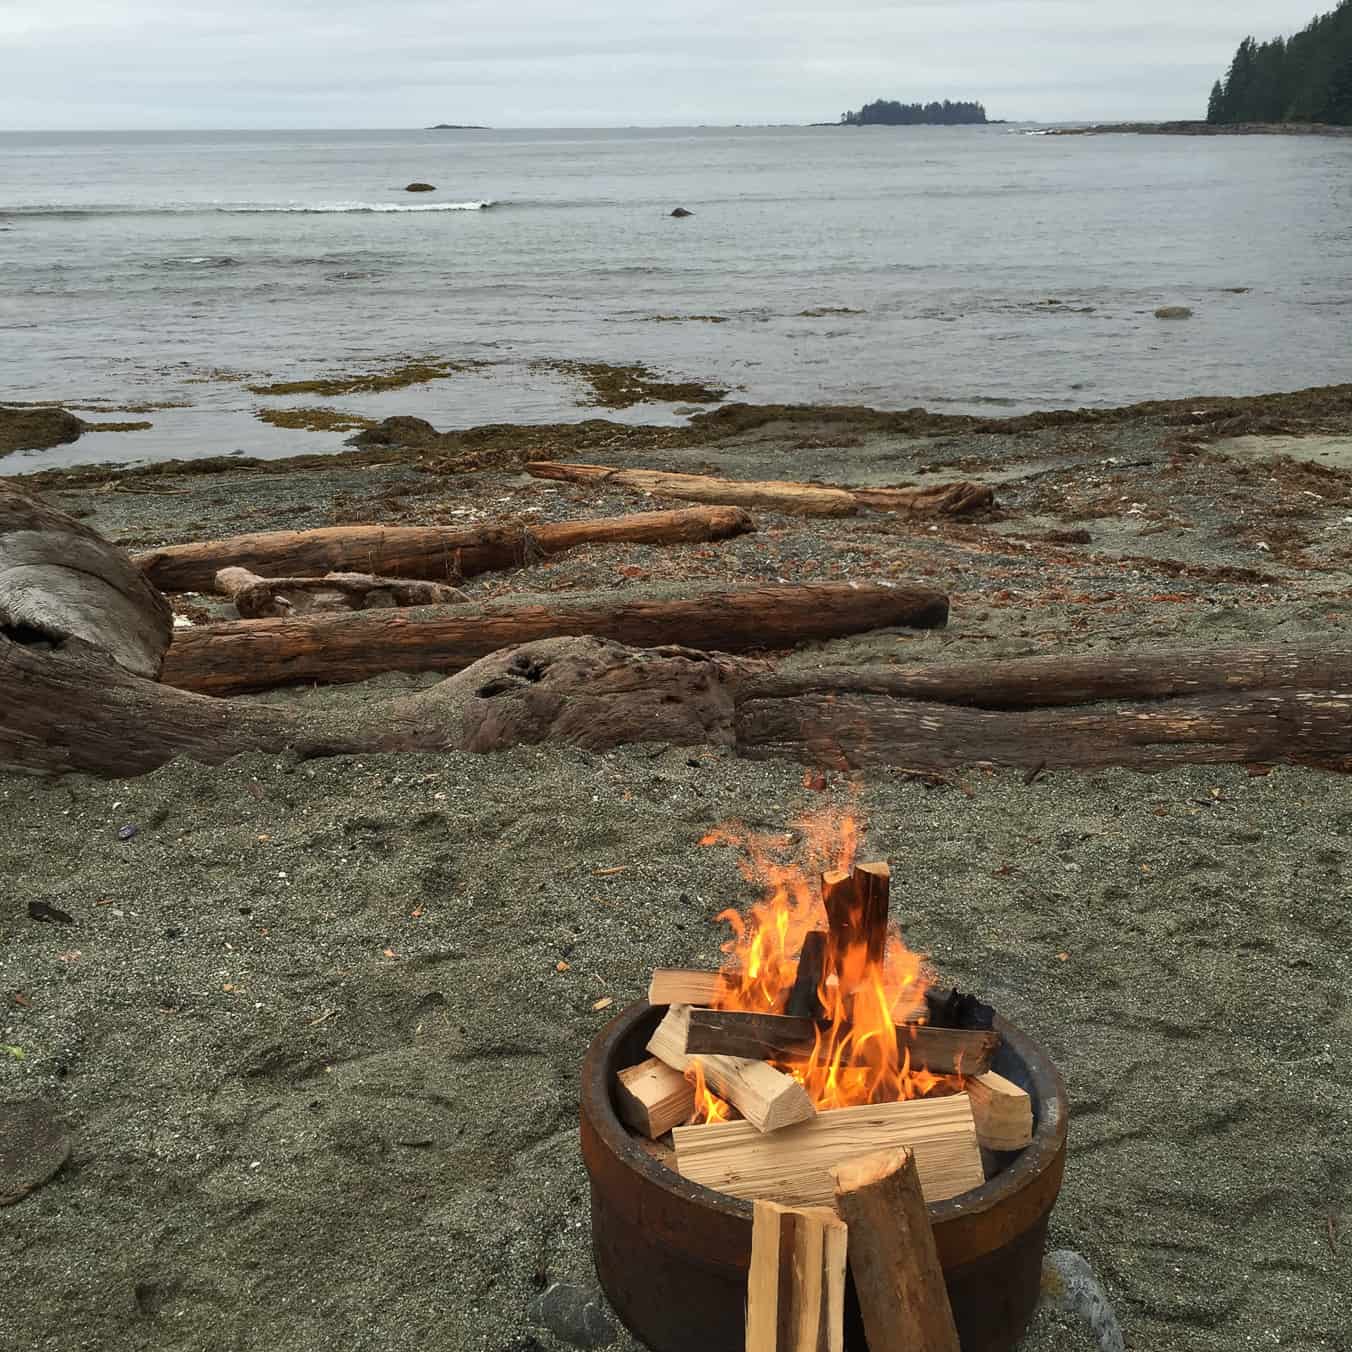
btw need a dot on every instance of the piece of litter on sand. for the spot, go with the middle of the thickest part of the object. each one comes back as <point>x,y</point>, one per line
<point>127,832</point>
<point>1069,1284</point>
<point>41,910</point>
<point>604,1002</point>
<point>610,872</point>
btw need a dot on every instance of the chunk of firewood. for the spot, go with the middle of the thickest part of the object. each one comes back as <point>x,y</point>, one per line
<point>856,909</point>
<point>243,655</point>
<point>872,884</point>
<point>438,553</point>
<point>270,598</point>
<point>893,1257</point>
<point>948,1051</point>
<point>652,1097</point>
<point>1003,1112</point>
<point>793,1166</point>
<point>682,986</point>
<point>805,995</point>
<point>767,1098</point>
<point>759,1037</point>
<point>795,1294</point>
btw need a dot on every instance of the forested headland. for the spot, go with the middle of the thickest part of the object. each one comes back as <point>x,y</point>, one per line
<point>890,113</point>
<point>1303,78</point>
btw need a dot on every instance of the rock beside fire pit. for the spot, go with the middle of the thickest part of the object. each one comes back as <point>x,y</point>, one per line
<point>1069,1284</point>
<point>575,1314</point>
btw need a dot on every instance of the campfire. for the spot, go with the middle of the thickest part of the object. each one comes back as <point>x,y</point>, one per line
<point>820,1070</point>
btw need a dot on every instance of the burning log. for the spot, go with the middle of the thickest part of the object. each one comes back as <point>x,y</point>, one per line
<point>681,986</point>
<point>437,553</point>
<point>760,1037</point>
<point>948,1051</point>
<point>793,1166</point>
<point>795,1294</point>
<point>856,908</point>
<point>893,1257</point>
<point>1003,1112</point>
<point>263,598</point>
<point>954,1009</point>
<point>245,655</point>
<point>767,1098</point>
<point>652,1097</point>
<point>805,996</point>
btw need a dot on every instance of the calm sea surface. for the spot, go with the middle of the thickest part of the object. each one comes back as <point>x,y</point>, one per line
<point>885,266</point>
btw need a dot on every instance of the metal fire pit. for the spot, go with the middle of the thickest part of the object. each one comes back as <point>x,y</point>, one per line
<point>673,1255</point>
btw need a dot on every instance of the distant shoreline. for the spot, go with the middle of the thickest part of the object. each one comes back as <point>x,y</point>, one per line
<point>1204,129</point>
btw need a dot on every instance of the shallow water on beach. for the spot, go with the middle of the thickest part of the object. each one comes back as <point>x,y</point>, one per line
<point>881,266</point>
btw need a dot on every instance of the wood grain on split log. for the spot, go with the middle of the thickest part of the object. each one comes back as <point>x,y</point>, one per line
<point>438,553</point>
<point>279,597</point>
<point>796,1281</point>
<point>763,1037</point>
<point>682,986</point>
<point>246,655</point>
<point>948,1051</point>
<point>767,1098</point>
<point>652,1097</point>
<point>1003,1112</point>
<point>793,1166</point>
<point>893,1258</point>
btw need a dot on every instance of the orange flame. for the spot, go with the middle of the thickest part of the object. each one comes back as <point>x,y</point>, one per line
<point>856,1056</point>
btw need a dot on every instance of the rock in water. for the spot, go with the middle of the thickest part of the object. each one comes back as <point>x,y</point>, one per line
<point>681,212</point>
<point>400,430</point>
<point>1173,312</point>
<point>421,187</point>
<point>1068,1283</point>
<point>34,429</point>
<point>575,1315</point>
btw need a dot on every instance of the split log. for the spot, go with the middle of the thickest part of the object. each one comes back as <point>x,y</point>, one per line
<point>795,1295</point>
<point>856,909</point>
<point>1003,1112</point>
<point>767,1098</point>
<point>893,1257</point>
<point>246,655</point>
<point>779,496</point>
<point>948,1051</point>
<point>793,1166</point>
<point>805,999</point>
<point>759,1037</point>
<point>652,1097</point>
<point>681,986</point>
<point>437,553</point>
<point>798,499</point>
<point>274,598</point>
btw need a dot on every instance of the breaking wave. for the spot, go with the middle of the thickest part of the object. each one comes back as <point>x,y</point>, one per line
<point>242,209</point>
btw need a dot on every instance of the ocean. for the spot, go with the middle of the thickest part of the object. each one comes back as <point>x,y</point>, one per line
<point>963,269</point>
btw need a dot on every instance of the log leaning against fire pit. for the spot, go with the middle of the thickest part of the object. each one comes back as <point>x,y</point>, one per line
<point>796,1282</point>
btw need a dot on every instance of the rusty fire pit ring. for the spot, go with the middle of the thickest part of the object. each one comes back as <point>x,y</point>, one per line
<point>672,1255</point>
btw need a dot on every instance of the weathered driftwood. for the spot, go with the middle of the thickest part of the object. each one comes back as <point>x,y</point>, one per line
<point>799,499</point>
<point>244,655</point>
<point>437,553</point>
<point>259,598</point>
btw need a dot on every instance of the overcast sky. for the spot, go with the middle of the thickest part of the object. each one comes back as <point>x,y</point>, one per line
<point>548,63</point>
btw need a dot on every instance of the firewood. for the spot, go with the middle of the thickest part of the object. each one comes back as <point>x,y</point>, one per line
<point>805,995</point>
<point>856,908</point>
<point>438,553</point>
<point>244,655</point>
<point>263,598</point>
<point>948,1051</point>
<point>767,1098</point>
<point>759,1037</point>
<point>793,1166</point>
<point>1003,1112</point>
<point>893,1258</point>
<point>681,986</point>
<point>652,1097</point>
<point>796,1282</point>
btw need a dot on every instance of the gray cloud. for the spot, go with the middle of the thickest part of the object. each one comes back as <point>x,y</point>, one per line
<point>352,63</point>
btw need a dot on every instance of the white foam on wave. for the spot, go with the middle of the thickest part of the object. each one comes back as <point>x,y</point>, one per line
<point>322,208</point>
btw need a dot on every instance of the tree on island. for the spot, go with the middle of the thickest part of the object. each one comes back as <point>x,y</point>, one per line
<point>1304,78</point>
<point>889,113</point>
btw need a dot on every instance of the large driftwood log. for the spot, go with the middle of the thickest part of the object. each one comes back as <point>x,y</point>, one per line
<point>259,598</point>
<point>798,499</point>
<point>436,553</point>
<point>244,655</point>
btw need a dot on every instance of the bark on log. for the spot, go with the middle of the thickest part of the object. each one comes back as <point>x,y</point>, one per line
<point>436,553</point>
<point>246,655</point>
<point>798,499</point>
<point>259,598</point>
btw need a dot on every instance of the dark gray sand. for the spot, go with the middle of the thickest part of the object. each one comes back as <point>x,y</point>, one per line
<point>310,1031</point>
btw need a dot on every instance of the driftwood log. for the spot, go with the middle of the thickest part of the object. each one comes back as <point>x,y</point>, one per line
<point>259,598</point>
<point>246,655</point>
<point>798,499</point>
<point>435,553</point>
<point>81,634</point>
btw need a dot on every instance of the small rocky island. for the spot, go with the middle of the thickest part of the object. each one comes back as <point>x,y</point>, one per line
<point>458,126</point>
<point>890,113</point>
